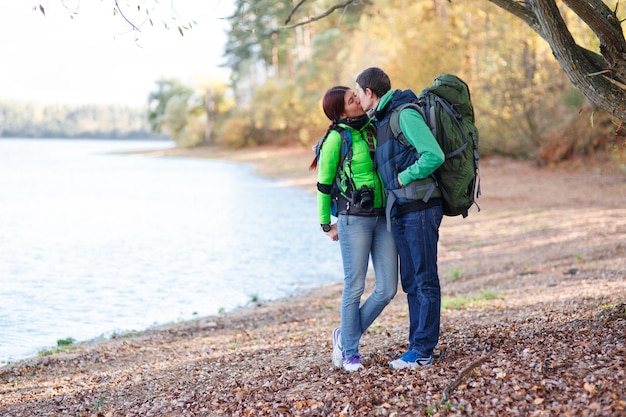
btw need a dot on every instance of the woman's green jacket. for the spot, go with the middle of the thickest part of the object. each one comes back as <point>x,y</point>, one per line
<point>360,168</point>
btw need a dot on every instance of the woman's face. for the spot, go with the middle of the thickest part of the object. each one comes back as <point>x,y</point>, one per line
<point>351,106</point>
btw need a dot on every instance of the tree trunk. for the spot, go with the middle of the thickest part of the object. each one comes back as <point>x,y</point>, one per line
<point>600,78</point>
<point>586,77</point>
<point>210,107</point>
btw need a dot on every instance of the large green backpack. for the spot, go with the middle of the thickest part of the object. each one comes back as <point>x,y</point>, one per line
<point>448,112</point>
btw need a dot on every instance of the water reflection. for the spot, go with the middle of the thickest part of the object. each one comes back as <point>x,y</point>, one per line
<point>94,243</point>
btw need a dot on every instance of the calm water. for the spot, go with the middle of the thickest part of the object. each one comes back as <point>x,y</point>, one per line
<point>93,243</point>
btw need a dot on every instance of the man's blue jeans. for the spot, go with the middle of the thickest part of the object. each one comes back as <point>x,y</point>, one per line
<point>417,235</point>
<point>360,237</point>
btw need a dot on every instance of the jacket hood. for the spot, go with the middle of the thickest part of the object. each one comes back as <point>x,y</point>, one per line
<point>393,99</point>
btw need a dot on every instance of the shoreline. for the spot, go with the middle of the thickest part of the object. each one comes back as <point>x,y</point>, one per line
<point>262,160</point>
<point>532,284</point>
<point>288,165</point>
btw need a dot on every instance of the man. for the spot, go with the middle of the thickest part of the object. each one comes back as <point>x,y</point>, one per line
<point>414,207</point>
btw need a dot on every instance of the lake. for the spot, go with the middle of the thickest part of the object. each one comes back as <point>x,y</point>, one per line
<point>95,243</point>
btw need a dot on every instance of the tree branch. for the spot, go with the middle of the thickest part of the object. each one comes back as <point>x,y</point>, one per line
<point>601,20</point>
<point>521,10</point>
<point>604,23</point>
<point>598,89</point>
<point>117,6</point>
<point>318,17</point>
<point>454,384</point>
<point>296,7</point>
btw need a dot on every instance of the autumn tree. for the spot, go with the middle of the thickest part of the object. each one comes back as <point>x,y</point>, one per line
<point>174,109</point>
<point>599,74</point>
<point>276,73</point>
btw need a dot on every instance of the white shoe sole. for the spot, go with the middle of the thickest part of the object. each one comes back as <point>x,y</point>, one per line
<point>400,364</point>
<point>353,368</point>
<point>337,355</point>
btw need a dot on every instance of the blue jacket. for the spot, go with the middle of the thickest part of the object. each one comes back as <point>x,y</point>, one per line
<point>414,162</point>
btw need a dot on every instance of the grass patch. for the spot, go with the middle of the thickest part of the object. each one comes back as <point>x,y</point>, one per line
<point>453,275</point>
<point>463,301</point>
<point>63,345</point>
<point>613,312</point>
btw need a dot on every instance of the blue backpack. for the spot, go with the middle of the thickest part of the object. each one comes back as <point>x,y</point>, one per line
<point>345,157</point>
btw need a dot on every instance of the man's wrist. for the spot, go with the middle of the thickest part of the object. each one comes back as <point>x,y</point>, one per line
<point>325,227</point>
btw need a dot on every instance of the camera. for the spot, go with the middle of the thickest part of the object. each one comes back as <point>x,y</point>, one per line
<point>363,198</point>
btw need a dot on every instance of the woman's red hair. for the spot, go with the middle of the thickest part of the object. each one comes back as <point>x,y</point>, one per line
<point>333,104</point>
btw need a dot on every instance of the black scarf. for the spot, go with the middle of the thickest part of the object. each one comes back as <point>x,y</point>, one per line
<point>368,134</point>
<point>356,124</point>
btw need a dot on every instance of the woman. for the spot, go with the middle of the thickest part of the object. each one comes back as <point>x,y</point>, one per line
<point>358,199</point>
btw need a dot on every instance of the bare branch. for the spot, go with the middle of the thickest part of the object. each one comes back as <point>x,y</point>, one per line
<point>454,384</point>
<point>117,6</point>
<point>321,16</point>
<point>521,10</point>
<point>296,7</point>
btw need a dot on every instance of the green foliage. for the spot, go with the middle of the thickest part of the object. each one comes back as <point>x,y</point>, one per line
<point>65,342</point>
<point>255,36</point>
<point>63,345</point>
<point>173,109</point>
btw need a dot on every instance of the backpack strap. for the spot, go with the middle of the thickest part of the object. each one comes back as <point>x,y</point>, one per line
<point>345,154</point>
<point>411,192</point>
<point>394,120</point>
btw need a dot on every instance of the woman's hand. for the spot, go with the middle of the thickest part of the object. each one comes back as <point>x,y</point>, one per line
<point>333,233</point>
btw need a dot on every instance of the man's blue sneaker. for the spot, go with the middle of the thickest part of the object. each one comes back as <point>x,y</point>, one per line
<point>337,348</point>
<point>411,360</point>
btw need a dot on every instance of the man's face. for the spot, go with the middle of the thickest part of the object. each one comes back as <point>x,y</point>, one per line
<point>366,98</point>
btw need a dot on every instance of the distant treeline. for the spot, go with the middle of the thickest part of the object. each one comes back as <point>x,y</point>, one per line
<point>36,120</point>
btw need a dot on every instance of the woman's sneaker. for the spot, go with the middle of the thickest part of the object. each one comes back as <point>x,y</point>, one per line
<point>411,360</point>
<point>353,363</point>
<point>337,348</point>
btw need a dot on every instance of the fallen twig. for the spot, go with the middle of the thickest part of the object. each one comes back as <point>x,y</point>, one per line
<point>457,381</point>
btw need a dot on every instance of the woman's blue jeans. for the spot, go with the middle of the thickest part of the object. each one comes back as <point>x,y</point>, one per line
<point>361,237</point>
<point>417,235</point>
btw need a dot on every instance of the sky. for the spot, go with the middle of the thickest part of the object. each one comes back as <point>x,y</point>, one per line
<point>94,57</point>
